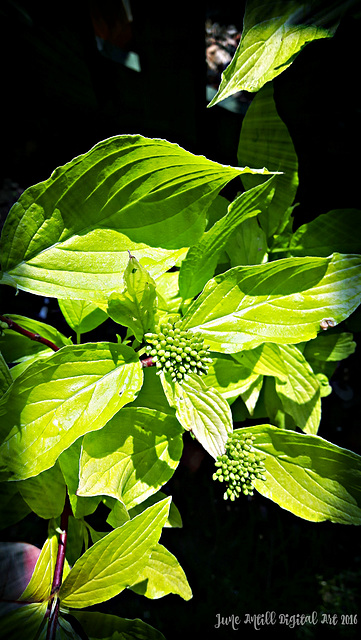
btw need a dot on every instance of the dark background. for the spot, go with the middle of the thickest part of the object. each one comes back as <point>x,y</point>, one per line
<point>60,96</point>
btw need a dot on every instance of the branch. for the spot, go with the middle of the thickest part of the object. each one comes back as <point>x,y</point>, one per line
<point>147,362</point>
<point>29,334</point>
<point>58,571</point>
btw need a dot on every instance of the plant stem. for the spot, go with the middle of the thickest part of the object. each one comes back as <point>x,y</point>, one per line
<point>58,571</point>
<point>29,334</point>
<point>147,362</point>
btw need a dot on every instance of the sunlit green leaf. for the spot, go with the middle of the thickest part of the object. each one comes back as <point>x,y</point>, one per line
<point>39,587</point>
<point>273,34</point>
<point>162,575</point>
<point>69,236</point>
<point>229,377</point>
<point>69,462</point>
<point>174,517</point>
<point>55,401</point>
<point>201,410</point>
<point>135,307</point>
<point>131,457</point>
<point>330,347</point>
<point>5,376</point>
<point>201,260</point>
<point>265,141</point>
<point>82,316</point>
<point>282,301</point>
<point>248,245</point>
<point>116,561</point>
<point>305,474</point>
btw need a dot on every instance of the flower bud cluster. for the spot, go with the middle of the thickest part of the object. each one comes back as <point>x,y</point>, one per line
<point>239,466</point>
<point>178,352</point>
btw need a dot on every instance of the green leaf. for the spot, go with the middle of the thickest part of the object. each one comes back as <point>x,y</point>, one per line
<point>248,245</point>
<point>162,575</point>
<point>296,384</point>
<point>15,346</point>
<point>45,493</point>
<point>273,35</point>
<point>55,401</point>
<point>305,474</point>
<point>201,260</point>
<point>229,377</point>
<point>265,141</point>
<point>23,622</point>
<point>129,193</point>
<point>135,308</point>
<point>69,462</point>
<point>39,587</point>
<point>151,394</point>
<point>82,316</point>
<point>201,410</point>
<point>12,507</point>
<point>116,561</point>
<point>5,376</point>
<point>131,457</point>
<point>282,301</point>
<point>102,626</point>
<point>174,517</point>
<point>330,347</point>
<point>337,230</point>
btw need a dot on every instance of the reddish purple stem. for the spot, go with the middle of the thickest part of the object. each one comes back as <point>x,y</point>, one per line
<point>29,334</point>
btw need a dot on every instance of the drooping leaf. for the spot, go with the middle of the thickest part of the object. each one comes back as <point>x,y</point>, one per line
<point>282,301</point>
<point>23,622</point>
<point>116,561</point>
<point>131,457</point>
<point>296,384</point>
<point>45,493</point>
<point>201,260</point>
<point>103,626</point>
<point>201,410</point>
<point>337,230</point>
<point>69,462</point>
<point>82,316</point>
<point>273,35</point>
<point>69,236</point>
<point>39,587</point>
<point>265,141</point>
<point>135,307</point>
<point>162,575</point>
<point>55,401</point>
<point>309,476</point>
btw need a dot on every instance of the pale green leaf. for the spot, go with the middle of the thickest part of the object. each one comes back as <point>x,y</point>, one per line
<point>23,622</point>
<point>201,260</point>
<point>250,396</point>
<point>102,626</point>
<point>174,517</point>
<point>55,401</point>
<point>201,410</point>
<point>131,457</point>
<point>337,230</point>
<point>135,307</point>
<point>119,515</point>
<point>69,462</point>
<point>162,575</point>
<point>282,301</point>
<point>39,587</point>
<point>69,236</point>
<point>5,376</point>
<point>229,377</point>
<point>82,316</point>
<point>273,35</point>
<point>265,141</point>
<point>116,561</point>
<point>305,474</point>
<point>25,362</point>
<point>248,245</point>
<point>169,299</point>
<point>296,384</point>
<point>45,493</point>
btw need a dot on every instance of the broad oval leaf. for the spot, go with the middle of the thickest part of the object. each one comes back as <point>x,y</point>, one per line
<point>282,301</point>
<point>162,575</point>
<point>45,493</point>
<point>69,236</point>
<point>116,561</point>
<point>273,34</point>
<point>131,457</point>
<point>56,400</point>
<point>82,316</point>
<point>201,410</point>
<point>314,479</point>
